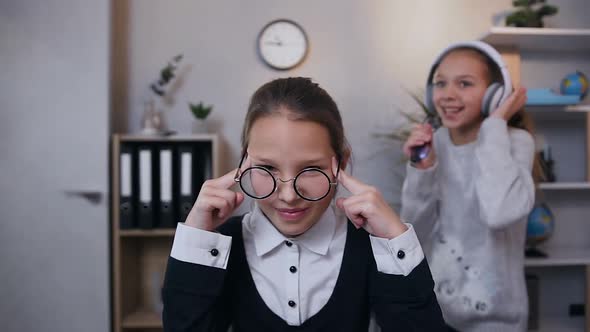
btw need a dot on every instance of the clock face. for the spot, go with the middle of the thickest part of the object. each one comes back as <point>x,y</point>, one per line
<point>282,44</point>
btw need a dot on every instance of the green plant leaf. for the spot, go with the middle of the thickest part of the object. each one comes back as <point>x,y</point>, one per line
<point>392,136</point>
<point>420,102</point>
<point>200,111</point>
<point>530,14</point>
<point>177,58</point>
<point>547,10</point>
<point>409,117</point>
<point>520,3</point>
<point>166,75</point>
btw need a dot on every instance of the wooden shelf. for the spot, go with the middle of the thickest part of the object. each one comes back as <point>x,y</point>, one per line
<point>577,108</point>
<point>147,232</point>
<point>140,255</point>
<point>539,39</point>
<point>142,319</point>
<point>561,257</point>
<point>564,185</point>
<point>171,138</point>
<point>516,44</point>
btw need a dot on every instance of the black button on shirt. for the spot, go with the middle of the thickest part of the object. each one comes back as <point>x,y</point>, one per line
<point>214,252</point>
<point>291,303</point>
<point>401,254</point>
<point>288,243</point>
<point>293,269</point>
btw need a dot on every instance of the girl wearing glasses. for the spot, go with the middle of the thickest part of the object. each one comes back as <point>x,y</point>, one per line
<point>295,262</point>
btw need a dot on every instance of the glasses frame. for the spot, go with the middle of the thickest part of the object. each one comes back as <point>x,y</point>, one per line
<point>239,174</point>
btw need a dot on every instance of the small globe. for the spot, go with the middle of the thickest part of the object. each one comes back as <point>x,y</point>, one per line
<point>540,225</point>
<point>575,84</point>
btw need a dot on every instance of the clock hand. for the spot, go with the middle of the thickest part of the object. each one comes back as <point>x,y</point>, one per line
<point>277,43</point>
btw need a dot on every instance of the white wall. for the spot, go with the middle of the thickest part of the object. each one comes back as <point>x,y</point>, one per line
<point>362,52</point>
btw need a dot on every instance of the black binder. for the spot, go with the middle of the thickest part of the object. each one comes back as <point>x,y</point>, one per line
<point>186,180</point>
<point>193,165</point>
<point>205,163</point>
<point>165,186</point>
<point>127,162</point>
<point>146,180</point>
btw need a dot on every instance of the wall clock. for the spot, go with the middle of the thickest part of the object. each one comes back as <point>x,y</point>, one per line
<point>282,44</point>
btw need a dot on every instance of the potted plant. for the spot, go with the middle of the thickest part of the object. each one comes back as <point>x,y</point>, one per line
<point>153,118</point>
<point>530,13</point>
<point>200,112</point>
<point>167,74</point>
<point>413,115</point>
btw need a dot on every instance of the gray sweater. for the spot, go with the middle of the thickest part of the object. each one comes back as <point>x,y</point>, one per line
<point>469,211</point>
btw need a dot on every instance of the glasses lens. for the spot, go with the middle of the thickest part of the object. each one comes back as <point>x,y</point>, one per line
<point>312,184</point>
<point>257,182</point>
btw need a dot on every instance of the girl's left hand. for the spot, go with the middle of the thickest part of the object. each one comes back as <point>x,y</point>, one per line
<point>366,207</point>
<point>513,104</point>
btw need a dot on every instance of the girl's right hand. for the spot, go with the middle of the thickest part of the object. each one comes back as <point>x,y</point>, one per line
<point>215,203</point>
<point>421,134</point>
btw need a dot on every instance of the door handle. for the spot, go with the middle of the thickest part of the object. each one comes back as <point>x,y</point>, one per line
<point>92,196</point>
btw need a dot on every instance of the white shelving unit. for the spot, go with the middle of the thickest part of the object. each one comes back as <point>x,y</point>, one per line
<point>534,39</point>
<point>577,108</point>
<point>558,324</point>
<point>565,186</point>
<point>562,257</point>
<point>546,52</point>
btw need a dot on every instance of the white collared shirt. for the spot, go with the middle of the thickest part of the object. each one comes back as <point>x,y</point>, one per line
<point>295,276</point>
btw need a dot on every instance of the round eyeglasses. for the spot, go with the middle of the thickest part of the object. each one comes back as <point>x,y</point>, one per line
<point>311,184</point>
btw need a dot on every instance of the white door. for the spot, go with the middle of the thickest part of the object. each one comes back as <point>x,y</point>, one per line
<point>54,127</point>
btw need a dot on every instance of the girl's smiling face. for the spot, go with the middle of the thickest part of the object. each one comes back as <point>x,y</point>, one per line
<point>286,146</point>
<point>459,85</point>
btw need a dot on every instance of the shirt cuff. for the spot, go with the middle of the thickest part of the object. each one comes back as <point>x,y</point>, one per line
<point>399,255</point>
<point>197,246</point>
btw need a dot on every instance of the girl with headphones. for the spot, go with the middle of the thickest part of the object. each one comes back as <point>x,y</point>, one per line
<point>469,189</point>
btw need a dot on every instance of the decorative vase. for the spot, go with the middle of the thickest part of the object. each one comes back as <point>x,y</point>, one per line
<point>152,122</point>
<point>200,126</point>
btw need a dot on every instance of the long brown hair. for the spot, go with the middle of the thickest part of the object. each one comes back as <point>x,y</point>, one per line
<point>520,119</point>
<point>523,120</point>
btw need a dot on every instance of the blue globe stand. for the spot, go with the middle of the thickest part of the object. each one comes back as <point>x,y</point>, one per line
<point>540,226</point>
<point>534,253</point>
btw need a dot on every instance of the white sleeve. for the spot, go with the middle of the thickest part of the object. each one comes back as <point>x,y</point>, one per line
<point>197,246</point>
<point>504,186</point>
<point>399,255</point>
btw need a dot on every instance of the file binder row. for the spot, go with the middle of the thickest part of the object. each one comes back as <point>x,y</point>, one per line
<point>159,182</point>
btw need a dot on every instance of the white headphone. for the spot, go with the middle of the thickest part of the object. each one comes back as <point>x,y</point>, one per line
<point>495,94</point>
